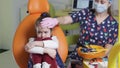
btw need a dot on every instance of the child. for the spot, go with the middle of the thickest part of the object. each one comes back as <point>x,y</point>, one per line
<point>43,34</point>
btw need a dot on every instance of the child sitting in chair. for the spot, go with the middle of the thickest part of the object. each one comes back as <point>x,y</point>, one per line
<point>40,59</point>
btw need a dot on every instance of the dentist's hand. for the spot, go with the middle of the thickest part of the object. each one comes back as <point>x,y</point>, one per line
<point>49,22</point>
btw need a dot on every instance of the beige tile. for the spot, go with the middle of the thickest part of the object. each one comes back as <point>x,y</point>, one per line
<point>7,60</point>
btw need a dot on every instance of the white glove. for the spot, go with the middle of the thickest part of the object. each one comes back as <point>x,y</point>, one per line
<point>49,22</point>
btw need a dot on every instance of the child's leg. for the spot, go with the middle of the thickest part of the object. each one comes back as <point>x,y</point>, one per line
<point>37,59</point>
<point>38,65</point>
<point>47,60</point>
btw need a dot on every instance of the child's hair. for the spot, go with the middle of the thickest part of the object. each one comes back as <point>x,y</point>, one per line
<point>43,15</point>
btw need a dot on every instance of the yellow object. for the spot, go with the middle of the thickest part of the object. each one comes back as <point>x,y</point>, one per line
<point>100,52</point>
<point>119,60</point>
<point>86,64</point>
<point>115,51</point>
<point>112,63</point>
<point>59,13</point>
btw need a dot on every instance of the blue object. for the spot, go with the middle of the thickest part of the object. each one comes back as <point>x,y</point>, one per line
<point>59,60</point>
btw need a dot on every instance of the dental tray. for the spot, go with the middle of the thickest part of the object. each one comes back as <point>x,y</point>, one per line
<point>92,51</point>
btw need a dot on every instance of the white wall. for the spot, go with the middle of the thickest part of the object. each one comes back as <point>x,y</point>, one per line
<point>9,20</point>
<point>115,7</point>
<point>6,21</point>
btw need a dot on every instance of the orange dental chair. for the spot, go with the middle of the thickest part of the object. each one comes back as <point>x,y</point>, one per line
<point>26,30</point>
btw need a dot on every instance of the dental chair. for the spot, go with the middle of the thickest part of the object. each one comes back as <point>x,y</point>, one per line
<point>26,30</point>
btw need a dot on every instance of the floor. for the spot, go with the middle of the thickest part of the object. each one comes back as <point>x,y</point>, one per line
<point>7,60</point>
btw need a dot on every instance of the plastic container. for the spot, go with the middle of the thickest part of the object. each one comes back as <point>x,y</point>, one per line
<point>98,52</point>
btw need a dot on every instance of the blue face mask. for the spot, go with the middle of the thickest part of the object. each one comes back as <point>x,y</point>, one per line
<point>100,7</point>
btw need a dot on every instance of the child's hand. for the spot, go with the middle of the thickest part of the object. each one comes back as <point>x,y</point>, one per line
<point>28,46</point>
<point>50,52</point>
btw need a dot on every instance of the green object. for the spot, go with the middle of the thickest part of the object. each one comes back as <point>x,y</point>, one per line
<point>70,26</point>
<point>52,10</point>
<point>71,39</point>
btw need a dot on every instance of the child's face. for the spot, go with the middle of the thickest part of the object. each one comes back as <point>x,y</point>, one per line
<point>43,32</point>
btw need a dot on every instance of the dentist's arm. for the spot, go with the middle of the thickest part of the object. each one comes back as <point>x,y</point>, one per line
<point>52,22</point>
